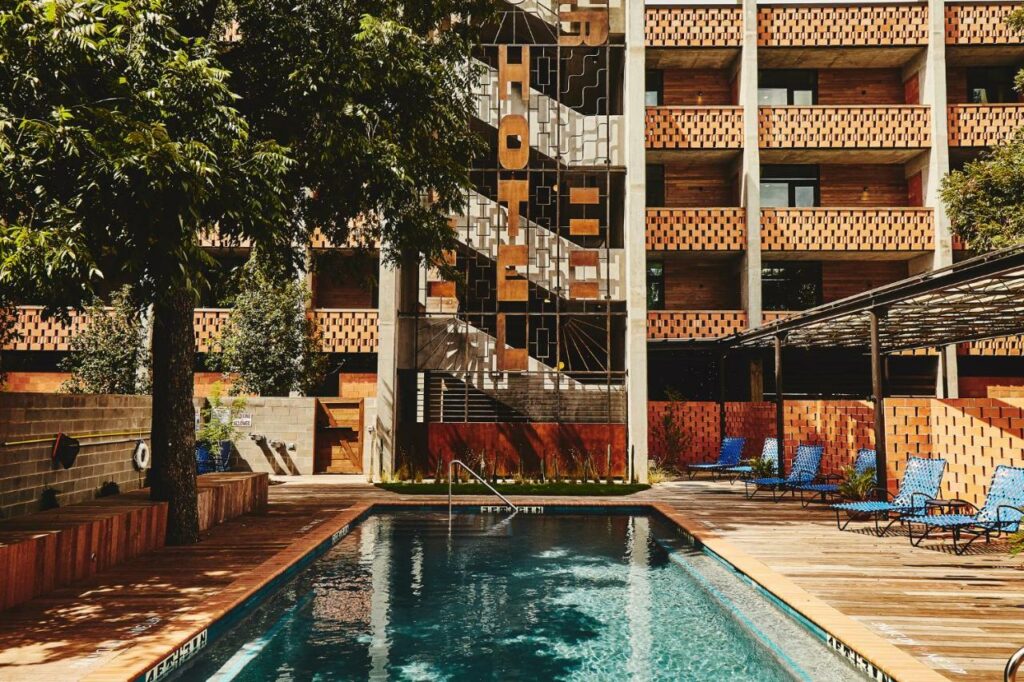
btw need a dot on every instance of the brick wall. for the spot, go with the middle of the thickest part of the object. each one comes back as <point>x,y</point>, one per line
<point>286,420</point>
<point>973,435</point>
<point>35,382</point>
<point>26,470</point>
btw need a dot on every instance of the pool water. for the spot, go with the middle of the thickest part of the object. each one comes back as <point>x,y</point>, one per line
<point>534,597</point>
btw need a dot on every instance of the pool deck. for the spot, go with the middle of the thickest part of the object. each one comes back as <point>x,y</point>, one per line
<point>960,616</point>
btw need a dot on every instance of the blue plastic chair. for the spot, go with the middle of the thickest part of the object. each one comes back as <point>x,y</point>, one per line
<point>863,463</point>
<point>728,456</point>
<point>920,483</point>
<point>1001,513</point>
<point>805,469</point>
<point>205,462</point>
<point>770,451</point>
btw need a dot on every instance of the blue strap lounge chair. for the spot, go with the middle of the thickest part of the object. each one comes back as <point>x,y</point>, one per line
<point>1001,513</point>
<point>863,463</point>
<point>770,452</point>
<point>805,469</point>
<point>728,456</point>
<point>920,484</point>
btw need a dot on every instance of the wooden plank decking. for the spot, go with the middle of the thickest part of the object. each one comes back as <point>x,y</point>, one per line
<point>962,616</point>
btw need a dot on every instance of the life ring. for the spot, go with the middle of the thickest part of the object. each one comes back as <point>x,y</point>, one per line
<point>140,456</point>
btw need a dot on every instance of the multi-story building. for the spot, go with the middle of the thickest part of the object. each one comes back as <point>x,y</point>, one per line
<point>659,177</point>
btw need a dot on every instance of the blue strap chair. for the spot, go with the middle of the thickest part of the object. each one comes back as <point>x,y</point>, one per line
<point>770,452</point>
<point>1001,513</point>
<point>728,456</point>
<point>805,469</point>
<point>863,463</point>
<point>920,484</point>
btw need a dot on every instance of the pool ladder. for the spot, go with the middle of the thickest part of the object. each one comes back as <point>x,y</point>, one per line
<point>1013,665</point>
<point>451,468</point>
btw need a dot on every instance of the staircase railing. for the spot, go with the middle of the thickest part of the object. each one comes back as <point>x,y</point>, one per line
<point>1013,665</point>
<point>451,467</point>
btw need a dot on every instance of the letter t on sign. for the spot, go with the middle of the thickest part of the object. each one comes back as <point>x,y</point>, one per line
<point>514,73</point>
<point>513,192</point>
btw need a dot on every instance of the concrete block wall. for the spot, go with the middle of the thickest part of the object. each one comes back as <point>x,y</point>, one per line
<point>286,420</point>
<point>27,470</point>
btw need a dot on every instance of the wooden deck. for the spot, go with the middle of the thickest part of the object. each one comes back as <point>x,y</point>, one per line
<point>962,616</point>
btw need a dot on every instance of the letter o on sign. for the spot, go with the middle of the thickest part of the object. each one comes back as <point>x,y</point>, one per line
<point>513,142</point>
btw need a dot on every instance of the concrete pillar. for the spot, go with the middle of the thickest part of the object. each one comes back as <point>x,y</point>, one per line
<point>383,445</point>
<point>933,94</point>
<point>635,250</point>
<point>750,173</point>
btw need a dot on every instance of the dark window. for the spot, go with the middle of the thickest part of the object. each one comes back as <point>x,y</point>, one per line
<point>655,185</point>
<point>990,85</point>
<point>655,285</point>
<point>782,87</point>
<point>789,186</point>
<point>790,285</point>
<point>654,90</point>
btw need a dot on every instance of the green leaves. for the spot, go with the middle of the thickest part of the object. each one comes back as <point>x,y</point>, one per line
<point>985,200</point>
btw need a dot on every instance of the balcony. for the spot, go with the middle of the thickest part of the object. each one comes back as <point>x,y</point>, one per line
<point>902,231</point>
<point>693,37</point>
<point>37,333</point>
<point>694,128</point>
<point>876,35</point>
<point>869,133</point>
<point>981,24</point>
<point>347,331</point>
<point>694,324</point>
<point>696,229</point>
<point>983,125</point>
<point>206,324</point>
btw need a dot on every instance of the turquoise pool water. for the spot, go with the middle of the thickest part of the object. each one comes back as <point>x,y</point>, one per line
<point>534,597</point>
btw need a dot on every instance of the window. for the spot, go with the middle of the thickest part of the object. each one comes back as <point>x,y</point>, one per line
<point>655,285</point>
<point>655,185</point>
<point>783,87</point>
<point>990,85</point>
<point>789,186</point>
<point>790,285</point>
<point>654,90</point>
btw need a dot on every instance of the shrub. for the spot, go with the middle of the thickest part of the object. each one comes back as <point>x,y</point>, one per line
<point>218,418</point>
<point>857,486</point>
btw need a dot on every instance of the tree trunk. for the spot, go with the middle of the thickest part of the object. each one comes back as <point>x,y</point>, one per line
<point>173,476</point>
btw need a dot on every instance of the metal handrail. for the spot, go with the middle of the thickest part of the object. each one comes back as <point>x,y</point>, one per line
<point>451,466</point>
<point>1013,665</point>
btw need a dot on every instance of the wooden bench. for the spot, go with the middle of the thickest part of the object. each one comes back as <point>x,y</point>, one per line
<point>43,551</point>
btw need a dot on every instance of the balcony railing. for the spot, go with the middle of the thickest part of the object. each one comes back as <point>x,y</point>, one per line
<point>894,25</point>
<point>347,331</point>
<point>845,127</point>
<point>207,324</point>
<point>983,125</point>
<point>769,316</point>
<point>980,23</point>
<point>696,229</point>
<point>847,229</point>
<point>317,241</point>
<point>694,127</point>
<point>694,26</point>
<point>694,324</point>
<point>34,332</point>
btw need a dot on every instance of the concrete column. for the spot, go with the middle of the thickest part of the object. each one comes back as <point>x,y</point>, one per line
<point>383,446</point>
<point>933,94</point>
<point>635,241</point>
<point>750,172</point>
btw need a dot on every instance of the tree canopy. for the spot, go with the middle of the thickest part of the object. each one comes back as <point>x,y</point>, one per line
<point>985,200</point>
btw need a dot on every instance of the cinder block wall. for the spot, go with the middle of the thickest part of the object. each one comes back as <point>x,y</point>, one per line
<point>287,420</point>
<point>27,470</point>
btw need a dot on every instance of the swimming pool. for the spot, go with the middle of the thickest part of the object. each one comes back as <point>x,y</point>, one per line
<point>567,596</point>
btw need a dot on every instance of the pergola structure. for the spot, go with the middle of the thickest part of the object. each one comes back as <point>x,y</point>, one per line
<point>976,299</point>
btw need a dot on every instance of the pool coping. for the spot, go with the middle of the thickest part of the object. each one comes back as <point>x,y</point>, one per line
<point>187,634</point>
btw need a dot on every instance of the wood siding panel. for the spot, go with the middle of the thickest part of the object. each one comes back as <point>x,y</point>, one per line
<point>845,185</point>
<point>860,86</point>
<point>698,286</point>
<point>697,87</point>
<point>699,186</point>
<point>846,278</point>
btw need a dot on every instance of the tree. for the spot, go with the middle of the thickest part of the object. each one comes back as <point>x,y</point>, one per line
<point>269,342</point>
<point>124,137</point>
<point>121,144</point>
<point>985,200</point>
<point>8,331</point>
<point>106,356</point>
